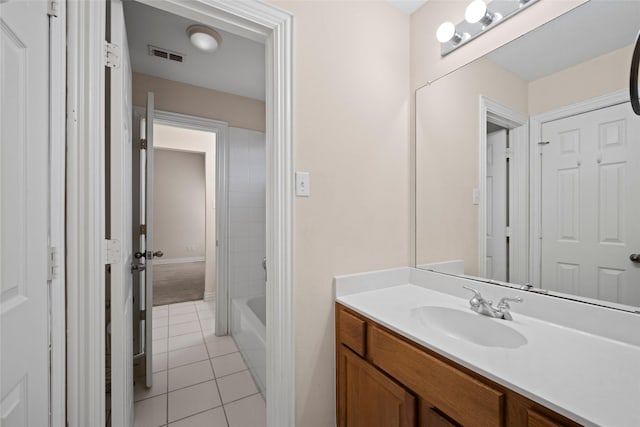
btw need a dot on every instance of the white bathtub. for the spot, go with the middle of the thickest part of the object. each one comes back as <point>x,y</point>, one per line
<point>248,327</point>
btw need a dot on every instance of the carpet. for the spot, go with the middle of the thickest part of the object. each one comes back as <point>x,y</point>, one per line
<point>178,282</point>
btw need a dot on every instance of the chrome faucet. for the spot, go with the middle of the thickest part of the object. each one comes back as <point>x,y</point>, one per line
<point>485,307</point>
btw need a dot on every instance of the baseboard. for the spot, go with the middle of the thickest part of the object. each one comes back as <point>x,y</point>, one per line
<point>160,261</point>
<point>210,296</point>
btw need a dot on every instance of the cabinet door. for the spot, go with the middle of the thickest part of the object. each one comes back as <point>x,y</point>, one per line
<point>368,398</point>
<point>430,417</point>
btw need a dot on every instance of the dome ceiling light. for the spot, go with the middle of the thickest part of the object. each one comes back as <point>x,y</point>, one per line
<point>204,38</point>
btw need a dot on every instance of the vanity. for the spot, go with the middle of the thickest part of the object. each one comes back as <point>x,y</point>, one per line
<point>411,352</point>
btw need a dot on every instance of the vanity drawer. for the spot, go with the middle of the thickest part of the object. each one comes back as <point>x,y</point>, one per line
<point>458,395</point>
<point>352,331</point>
<point>536,419</point>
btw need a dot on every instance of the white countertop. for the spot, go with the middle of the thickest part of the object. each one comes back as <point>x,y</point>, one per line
<point>588,378</point>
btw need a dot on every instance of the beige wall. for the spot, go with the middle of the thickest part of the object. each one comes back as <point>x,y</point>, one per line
<point>178,97</point>
<point>447,158</point>
<point>178,203</point>
<point>599,76</point>
<point>351,119</point>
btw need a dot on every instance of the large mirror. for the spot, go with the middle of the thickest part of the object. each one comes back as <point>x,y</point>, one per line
<point>528,161</point>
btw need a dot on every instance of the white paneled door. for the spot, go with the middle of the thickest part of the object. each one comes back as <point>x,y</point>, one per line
<point>496,262</point>
<point>24,219</point>
<point>121,224</point>
<point>590,205</point>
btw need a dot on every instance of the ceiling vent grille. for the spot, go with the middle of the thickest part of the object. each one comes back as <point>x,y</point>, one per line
<point>161,53</point>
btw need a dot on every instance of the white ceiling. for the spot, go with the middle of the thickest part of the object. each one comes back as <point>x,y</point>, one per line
<point>237,66</point>
<point>408,6</point>
<point>591,30</point>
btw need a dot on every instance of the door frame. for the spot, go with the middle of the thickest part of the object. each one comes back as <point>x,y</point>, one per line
<point>218,243</point>
<point>86,190</point>
<point>535,130</point>
<point>57,165</point>
<point>518,173</point>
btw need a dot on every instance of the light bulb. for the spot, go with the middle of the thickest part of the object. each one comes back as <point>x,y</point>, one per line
<point>445,32</point>
<point>476,10</point>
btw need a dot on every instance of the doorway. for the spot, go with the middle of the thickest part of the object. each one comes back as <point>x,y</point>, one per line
<point>182,355</point>
<point>181,192</point>
<point>257,21</point>
<point>503,193</point>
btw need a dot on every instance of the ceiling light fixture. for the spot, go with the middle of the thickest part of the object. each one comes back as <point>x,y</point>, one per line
<point>204,38</point>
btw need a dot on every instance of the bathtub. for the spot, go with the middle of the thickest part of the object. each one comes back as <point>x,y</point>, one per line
<point>248,327</point>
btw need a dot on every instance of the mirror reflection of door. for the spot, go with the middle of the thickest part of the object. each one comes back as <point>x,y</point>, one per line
<point>590,204</point>
<point>497,260</point>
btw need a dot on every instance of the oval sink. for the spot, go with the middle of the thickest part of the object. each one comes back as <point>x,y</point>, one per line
<point>470,326</point>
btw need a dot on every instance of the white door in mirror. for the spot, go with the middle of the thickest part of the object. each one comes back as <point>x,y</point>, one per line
<point>496,261</point>
<point>302,184</point>
<point>590,205</point>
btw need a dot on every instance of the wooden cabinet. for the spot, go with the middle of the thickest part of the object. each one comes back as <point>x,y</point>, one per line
<point>371,399</point>
<point>385,380</point>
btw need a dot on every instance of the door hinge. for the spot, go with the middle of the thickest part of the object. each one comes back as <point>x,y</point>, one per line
<point>143,144</point>
<point>112,251</point>
<point>508,152</point>
<point>111,55</point>
<point>52,263</point>
<point>53,6</point>
<point>507,232</point>
<point>143,229</point>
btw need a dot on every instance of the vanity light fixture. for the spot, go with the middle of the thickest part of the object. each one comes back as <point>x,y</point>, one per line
<point>478,18</point>
<point>204,38</point>
<point>477,12</point>
<point>447,32</point>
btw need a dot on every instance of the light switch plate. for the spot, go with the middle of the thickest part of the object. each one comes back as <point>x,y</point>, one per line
<point>302,184</point>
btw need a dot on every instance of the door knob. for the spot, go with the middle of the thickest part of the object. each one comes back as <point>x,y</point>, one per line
<point>635,258</point>
<point>139,255</point>
<point>158,254</point>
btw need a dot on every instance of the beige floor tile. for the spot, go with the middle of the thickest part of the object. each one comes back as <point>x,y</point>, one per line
<point>175,309</point>
<point>183,341</point>
<point>159,346</point>
<point>160,322</point>
<point>228,364</point>
<point>188,355</point>
<point>140,390</point>
<point>247,412</point>
<point>183,318</point>
<point>189,375</point>
<point>219,346</point>
<point>161,332</point>
<point>211,418</point>
<point>192,400</point>
<point>160,362</point>
<point>160,311</point>
<point>151,412</point>
<point>205,314</point>
<point>184,328</point>
<point>236,386</point>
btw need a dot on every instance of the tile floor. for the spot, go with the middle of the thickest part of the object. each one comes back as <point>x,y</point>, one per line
<point>198,379</point>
